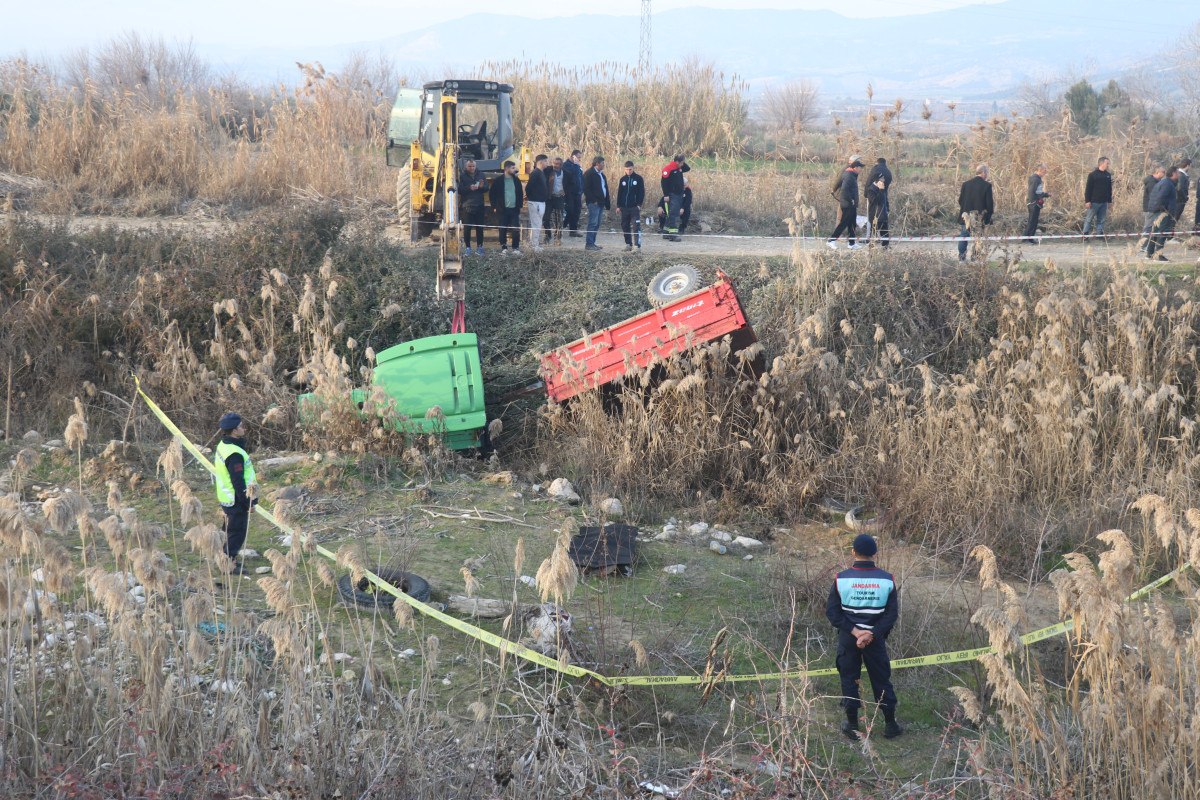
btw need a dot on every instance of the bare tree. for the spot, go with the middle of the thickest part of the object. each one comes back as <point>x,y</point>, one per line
<point>1188,72</point>
<point>791,106</point>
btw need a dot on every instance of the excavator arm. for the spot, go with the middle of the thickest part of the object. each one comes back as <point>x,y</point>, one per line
<point>451,281</point>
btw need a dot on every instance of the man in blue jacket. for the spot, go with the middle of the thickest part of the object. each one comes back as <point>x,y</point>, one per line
<point>573,191</point>
<point>1164,208</point>
<point>863,606</point>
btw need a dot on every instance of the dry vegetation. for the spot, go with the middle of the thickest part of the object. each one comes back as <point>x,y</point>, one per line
<point>1018,416</point>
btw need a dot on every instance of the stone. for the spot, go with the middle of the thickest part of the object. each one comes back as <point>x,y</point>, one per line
<point>562,489</point>
<point>611,507</point>
<point>261,570</point>
<point>282,461</point>
<point>748,543</point>
<point>698,528</point>
<point>722,536</point>
<point>505,478</point>
<point>32,436</point>
<point>717,547</point>
<point>675,569</point>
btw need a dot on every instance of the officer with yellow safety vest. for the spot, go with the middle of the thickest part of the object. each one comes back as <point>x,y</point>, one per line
<point>235,474</point>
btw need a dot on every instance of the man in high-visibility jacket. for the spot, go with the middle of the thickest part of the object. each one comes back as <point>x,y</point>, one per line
<point>235,474</point>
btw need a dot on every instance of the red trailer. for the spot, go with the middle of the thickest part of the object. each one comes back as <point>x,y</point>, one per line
<point>680,323</point>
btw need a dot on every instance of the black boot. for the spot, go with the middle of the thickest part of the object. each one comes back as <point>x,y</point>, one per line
<point>892,729</point>
<point>850,726</point>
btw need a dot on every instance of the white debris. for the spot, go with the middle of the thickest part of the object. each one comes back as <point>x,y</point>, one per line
<point>286,540</point>
<point>224,687</point>
<point>612,508</point>
<point>408,653</point>
<point>747,558</point>
<point>536,488</point>
<point>659,789</point>
<point>675,569</point>
<point>747,542</point>
<point>722,536</point>
<point>562,489</point>
<point>529,581</point>
<point>38,575</point>
<point>698,528</point>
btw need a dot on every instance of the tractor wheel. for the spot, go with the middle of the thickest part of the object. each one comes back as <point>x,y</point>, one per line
<point>404,204</point>
<point>673,283</point>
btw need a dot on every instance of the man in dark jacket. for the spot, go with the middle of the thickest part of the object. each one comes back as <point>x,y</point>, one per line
<point>507,197</point>
<point>573,186</point>
<point>1097,197</point>
<point>471,188</point>
<point>863,606</point>
<point>1183,192</point>
<point>1163,206</point>
<point>595,193</point>
<point>673,186</point>
<point>537,194</point>
<point>631,194</point>
<point>847,197</point>
<point>1035,198</point>
<point>975,208</point>
<point>879,205</point>
<point>1157,173</point>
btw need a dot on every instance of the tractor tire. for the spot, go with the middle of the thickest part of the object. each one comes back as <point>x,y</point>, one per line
<point>365,594</point>
<point>673,283</point>
<point>404,204</point>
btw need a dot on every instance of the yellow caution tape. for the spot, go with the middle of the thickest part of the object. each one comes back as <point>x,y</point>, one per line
<point>527,654</point>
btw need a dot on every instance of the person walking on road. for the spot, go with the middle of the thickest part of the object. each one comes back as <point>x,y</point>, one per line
<point>595,192</point>
<point>879,206</point>
<point>556,208</point>
<point>573,189</point>
<point>1035,198</point>
<point>1163,202</point>
<point>1183,192</point>
<point>471,188</point>
<point>234,481</point>
<point>1157,173</point>
<point>631,194</point>
<point>673,186</point>
<point>847,196</point>
<point>507,197</point>
<point>863,606</point>
<point>975,208</point>
<point>537,194</point>
<point>1097,197</point>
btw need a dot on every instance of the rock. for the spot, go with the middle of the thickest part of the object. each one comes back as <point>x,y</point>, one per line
<point>722,536</point>
<point>261,570</point>
<point>667,535</point>
<point>675,569</point>
<point>282,461</point>
<point>536,488</point>
<point>248,552</point>
<point>505,478</point>
<point>286,540</point>
<point>53,444</point>
<point>32,436</point>
<point>516,495</point>
<point>529,581</point>
<point>611,507</point>
<point>747,558</point>
<point>698,528</point>
<point>717,547</point>
<point>562,489</point>
<point>408,653</point>
<point>747,542</point>
<point>289,493</point>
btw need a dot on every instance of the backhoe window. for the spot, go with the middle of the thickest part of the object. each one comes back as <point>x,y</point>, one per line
<point>478,129</point>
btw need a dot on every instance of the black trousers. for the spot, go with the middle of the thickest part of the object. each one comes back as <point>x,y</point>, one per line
<point>850,662</point>
<point>848,222</point>
<point>1035,213</point>
<point>631,226</point>
<point>510,227</point>
<point>552,223</point>
<point>879,223</point>
<point>574,207</point>
<point>473,221</point>
<point>1164,223</point>
<point>237,519</point>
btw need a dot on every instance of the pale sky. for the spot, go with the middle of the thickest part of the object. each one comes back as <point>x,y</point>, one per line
<point>51,27</point>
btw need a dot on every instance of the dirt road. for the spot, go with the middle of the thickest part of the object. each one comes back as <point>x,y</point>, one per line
<point>1070,253</point>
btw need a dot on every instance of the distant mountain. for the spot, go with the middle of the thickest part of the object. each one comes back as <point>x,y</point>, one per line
<point>967,52</point>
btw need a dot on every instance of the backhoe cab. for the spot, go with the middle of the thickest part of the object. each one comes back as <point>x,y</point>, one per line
<point>432,132</point>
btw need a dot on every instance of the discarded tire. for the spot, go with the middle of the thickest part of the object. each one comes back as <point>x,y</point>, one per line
<point>366,594</point>
<point>673,283</point>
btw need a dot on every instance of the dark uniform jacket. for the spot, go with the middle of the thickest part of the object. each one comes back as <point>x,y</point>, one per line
<point>595,188</point>
<point>1163,197</point>
<point>880,170</point>
<point>1148,184</point>
<point>976,195</point>
<point>848,194</point>
<point>572,178</point>
<point>863,596</point>
<point>672,178</point>
<point>1098,188</point>
<point>631,191</point>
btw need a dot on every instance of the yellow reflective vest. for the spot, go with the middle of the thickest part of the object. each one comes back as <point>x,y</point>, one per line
<point>224,484</point>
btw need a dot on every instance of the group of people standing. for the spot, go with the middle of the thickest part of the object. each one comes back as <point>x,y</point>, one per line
<point>1165,196</point>
<point>555,196</point>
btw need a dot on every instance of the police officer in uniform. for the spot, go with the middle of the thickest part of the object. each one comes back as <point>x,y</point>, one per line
<point>863,606</point>
<point>235,473</point>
